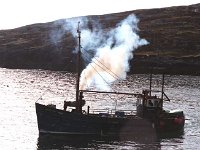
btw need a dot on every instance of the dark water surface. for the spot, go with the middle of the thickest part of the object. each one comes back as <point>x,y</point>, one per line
<point>20,89</point>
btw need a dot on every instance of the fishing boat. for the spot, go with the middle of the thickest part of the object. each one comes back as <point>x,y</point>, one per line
<point>150,117</point>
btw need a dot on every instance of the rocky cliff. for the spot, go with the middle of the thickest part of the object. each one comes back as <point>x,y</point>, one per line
<point>173,33</point>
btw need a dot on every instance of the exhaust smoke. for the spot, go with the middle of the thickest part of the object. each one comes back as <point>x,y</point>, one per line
<point>112,50</point>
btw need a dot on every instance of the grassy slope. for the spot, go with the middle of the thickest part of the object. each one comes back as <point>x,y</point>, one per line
<point>173,33</point>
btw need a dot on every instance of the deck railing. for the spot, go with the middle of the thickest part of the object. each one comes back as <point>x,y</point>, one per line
<point>112,111</point>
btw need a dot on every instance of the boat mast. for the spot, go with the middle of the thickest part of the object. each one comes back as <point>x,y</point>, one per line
<point>163,82</point>
<point>78,103</point>
<point>150,84</point>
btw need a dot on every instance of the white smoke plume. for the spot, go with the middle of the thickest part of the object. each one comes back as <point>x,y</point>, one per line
<point>113,50</point>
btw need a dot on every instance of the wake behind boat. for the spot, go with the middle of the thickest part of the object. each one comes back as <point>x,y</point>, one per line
<point>150,117</point>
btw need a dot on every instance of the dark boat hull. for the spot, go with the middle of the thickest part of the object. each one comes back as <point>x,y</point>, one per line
<point>164,121</point>
<point>171,122</point>
<point>55,121</point>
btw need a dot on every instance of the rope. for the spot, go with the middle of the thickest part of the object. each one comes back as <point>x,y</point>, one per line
<point>105,68</point>
<point>114,75</point>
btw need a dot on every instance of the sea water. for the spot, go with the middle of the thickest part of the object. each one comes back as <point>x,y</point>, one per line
<point>20,89</point>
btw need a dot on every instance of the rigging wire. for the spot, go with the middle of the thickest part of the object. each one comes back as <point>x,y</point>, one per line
<point>114,75</point>
<point>105,68</point>
<point>101,68</point>
<point>99,74</point>
<point>97,71</point>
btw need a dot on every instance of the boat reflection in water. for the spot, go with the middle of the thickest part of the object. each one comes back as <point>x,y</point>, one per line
<point>95,142</point>
<point>49,141</point>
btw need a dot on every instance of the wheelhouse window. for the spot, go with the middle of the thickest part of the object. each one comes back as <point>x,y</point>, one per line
<point>153,103</point>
